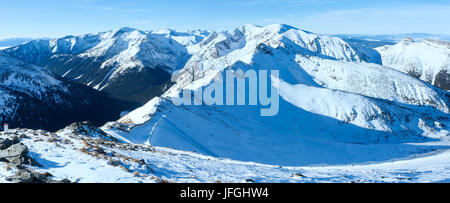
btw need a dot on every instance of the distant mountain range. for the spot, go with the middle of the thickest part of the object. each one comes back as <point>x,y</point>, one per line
<point>127,64</point>
<point>32,97</point>
<point>13,41</point>
<point>394,38</point>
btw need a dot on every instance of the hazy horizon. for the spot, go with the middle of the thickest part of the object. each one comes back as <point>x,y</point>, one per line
<point>349,34</point>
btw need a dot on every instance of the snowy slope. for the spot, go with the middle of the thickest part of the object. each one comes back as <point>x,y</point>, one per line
<point>245,39</point>
<point>374,81</point>
<point>128,64</point>
<point>428,60</point>
<point>17,76</point>
<point>366,49</point>
<point>88,159</point>
<point>328,98</point>
<point>25,77</point>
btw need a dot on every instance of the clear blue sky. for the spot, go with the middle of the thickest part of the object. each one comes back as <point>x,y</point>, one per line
<point>53,18</point>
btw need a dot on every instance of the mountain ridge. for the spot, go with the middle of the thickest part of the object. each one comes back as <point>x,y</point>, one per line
<point>100,60</point>
<point>32,97</point>
<point>328,95</point>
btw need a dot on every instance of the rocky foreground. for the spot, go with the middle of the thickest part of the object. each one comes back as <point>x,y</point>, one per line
<point>15,155</point>
<point>82,153</point>
<point>82,138</point>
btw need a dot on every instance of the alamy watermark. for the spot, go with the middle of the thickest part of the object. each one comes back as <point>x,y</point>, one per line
<point>230,88</point>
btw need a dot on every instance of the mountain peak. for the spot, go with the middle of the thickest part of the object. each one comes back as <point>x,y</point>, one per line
<point>281,28</point>
<point>408,40</point>
<point>164,31</point>
<point>127,29</point>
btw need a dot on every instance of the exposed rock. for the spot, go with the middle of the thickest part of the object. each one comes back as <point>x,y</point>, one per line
<point>443,79</point>
<point>88,129</point>
<point>27,176</point>
<point>16,154</point>
<point>6,143</point>
<point>299,175</point>
<point>23,136</point>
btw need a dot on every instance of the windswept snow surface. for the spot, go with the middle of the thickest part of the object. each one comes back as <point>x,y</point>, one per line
<point>88,159</point>
<point>333,106</point>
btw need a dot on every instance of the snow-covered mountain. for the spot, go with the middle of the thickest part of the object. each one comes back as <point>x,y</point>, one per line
<point>428,60</point>
<point>186,39</point>
<point>127,64</point>
<point>331,101</point>
<point>366,49</point>
<point>33,97</point>
<point>340,104</point>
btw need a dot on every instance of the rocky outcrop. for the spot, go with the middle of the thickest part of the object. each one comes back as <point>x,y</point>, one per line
<point>443,79</point>
<point>6,143</point>
<point>15,153</point>
<point>88,129</point>
<point>28,176</point>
